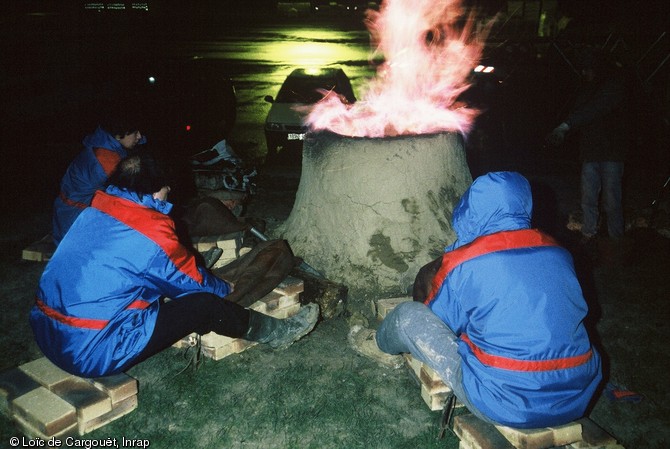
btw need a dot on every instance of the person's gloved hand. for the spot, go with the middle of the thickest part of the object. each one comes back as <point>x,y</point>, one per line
<point>557,136</point>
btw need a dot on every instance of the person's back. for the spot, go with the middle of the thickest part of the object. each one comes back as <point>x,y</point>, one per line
<point>511,294</point>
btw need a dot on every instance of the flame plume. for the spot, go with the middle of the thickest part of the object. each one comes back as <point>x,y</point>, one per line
<point>429,53</point>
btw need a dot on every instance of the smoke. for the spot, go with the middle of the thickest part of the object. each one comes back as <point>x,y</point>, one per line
<point>428,49</point>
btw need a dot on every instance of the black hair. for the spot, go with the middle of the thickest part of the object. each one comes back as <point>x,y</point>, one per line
<point>118,120</point>
<point>139,173</point>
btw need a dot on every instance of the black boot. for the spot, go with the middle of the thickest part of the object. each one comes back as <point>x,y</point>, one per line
<point>280,334</point>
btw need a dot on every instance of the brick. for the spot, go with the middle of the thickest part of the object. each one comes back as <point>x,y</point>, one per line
<point>434,401</point>
<point>234,347</point>
<point>229,243</point>
<point>595,436</point>
<point>284,312</point>
<point>14,383</point>
<point>214,340</point>
<point>290,286</point>
<point>543,438</point>
<point>478,434</point>
<point>45,372</point>
<point>120,409</point>
<point>218,238</point>
<point>384,306</point>
<point>118,387</point>
<point>45,412</point>
<point>204,246</point>
<point>41,250</point>
<point>31,432</point>
<point>89,401</point>
<point>432,381</point>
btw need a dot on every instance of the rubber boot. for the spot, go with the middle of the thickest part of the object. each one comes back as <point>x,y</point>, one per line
<point>278,333</point>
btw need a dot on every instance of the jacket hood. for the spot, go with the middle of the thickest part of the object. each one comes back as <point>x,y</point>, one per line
<point>495,202</point>
<point>149,201</point>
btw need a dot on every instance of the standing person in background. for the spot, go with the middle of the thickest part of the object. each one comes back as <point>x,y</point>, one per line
<point>114,139</point>
<point>599,117</point>
<point>101,304</point>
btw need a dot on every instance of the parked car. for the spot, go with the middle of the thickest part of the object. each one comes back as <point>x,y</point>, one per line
<point>284,125</point>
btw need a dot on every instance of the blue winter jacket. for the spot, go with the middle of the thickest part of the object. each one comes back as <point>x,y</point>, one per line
<point>98,297</point>
<point>511,295</point>
<point>86,174</point>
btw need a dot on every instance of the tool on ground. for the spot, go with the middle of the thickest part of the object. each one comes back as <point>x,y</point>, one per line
<point>447,415</point>
<point>303,266</point>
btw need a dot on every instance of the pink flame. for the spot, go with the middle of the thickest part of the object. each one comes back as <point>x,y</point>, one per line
<point>429,54</point>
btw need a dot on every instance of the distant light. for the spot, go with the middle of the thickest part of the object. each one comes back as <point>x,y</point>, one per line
<point>188,127</point>
<point>152,80</point>
<point>484,69</point>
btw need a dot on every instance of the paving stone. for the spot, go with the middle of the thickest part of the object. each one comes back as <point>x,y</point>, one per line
<point>118,386</point>
<point>89,401</point>
<point>45,372</point>
<point>45,411</point>
<point>14,383</point>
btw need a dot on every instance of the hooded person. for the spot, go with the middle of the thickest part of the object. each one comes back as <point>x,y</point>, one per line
<point>501,317</point>
<point>114,139</point>
<point>120,287</point>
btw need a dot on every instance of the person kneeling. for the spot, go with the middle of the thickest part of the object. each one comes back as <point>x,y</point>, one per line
<point>101,304</point>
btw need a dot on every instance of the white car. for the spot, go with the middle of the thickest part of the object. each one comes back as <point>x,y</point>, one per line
<point>284,125</point>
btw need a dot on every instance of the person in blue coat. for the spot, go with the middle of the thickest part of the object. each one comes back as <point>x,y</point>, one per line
<point>112,141</point>
<point>120,287</point>
<point>502,317</point>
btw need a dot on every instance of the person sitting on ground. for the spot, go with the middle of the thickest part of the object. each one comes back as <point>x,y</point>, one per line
<point>101,304</point>
<point>114,139</point>
<point>500,316</point>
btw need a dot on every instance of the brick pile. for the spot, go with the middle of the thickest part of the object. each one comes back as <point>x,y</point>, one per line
<point>581,434</point>
<point>477,434</point>
<point>434,392</point>
<point>46,402</point>
<point>231,244</point>
<point>282,302</point>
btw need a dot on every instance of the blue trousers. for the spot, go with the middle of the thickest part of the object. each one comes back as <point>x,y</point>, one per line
<point>605,178</point>
<point>411,327</point>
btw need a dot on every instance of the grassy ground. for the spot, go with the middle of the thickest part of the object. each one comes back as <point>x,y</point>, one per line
<point>320,394</point>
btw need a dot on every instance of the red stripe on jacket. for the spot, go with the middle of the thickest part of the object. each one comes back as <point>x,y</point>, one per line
<point>153,224</point>
<point>70,202</point>
<point>86,323</point>
<point>500,241</point>
<point>108,159</point>
<point>507,363</point>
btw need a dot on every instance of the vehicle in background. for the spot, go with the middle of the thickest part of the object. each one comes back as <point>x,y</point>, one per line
<point>284,125</point>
